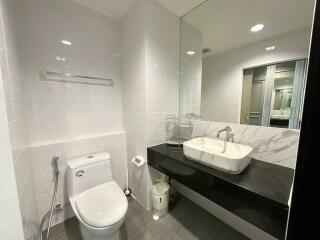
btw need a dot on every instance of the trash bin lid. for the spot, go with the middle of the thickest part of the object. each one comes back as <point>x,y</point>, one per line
<point>160,188</point>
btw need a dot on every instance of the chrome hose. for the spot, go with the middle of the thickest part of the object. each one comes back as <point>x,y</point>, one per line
<point>52,204</point>
<point>55,171</point>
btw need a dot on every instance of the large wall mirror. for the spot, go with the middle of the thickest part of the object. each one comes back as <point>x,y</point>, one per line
<point>245,61</point>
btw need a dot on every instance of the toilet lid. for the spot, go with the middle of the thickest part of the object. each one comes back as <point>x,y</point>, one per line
<point>103,205</point>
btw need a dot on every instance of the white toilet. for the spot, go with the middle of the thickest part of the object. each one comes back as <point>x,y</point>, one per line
<point>96,199</point>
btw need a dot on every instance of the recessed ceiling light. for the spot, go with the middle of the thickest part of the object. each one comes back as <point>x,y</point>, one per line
<point>58,58</point>
<point>257,28</point>
<point>66,42</point>
<point>270,48</point>
<point>191,52</point>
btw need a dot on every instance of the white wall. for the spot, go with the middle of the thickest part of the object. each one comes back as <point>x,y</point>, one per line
<point>10,217</point>
<point>113,143</point>
<point>66,111</point>
<point>162,70</point>
<point>222,73</point>
<point>70,120</point>
<point>15,117</point>
<point>150,55</point>
<point>11,222</point>
<point>135,113</point>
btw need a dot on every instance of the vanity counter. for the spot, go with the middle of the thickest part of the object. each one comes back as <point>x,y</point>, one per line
<point>259,194</point>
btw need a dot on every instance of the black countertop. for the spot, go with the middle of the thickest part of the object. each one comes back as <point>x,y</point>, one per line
<point>267,180</point>
<point>259,194</point>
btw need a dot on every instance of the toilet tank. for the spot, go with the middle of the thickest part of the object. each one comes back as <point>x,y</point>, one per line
<point>87,172</point>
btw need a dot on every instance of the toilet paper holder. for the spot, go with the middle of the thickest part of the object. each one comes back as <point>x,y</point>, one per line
<point>138,161</point>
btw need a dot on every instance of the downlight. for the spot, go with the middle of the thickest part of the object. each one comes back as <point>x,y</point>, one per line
<point>257,28</point>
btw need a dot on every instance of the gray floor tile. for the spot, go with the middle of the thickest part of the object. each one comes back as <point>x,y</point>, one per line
<point>71,234</point>
<point>156,231</point>
<point>137,219</point>
<point>62,227</point>
<point>186,221</point>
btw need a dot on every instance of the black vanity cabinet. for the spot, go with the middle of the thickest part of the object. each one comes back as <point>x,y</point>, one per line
<point>259,195</point>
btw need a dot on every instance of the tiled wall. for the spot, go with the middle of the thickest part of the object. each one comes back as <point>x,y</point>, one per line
<point>13,83</point>
<point>274,145</point>
<point>114,143</point>
<point>69,120</point>
<point>162,69</point>
<point>133,74</point>
<point>150,54</point>
<point>62,112</point>
<point>10,217</point>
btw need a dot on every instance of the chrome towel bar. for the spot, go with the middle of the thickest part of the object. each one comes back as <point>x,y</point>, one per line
<point>51,76</point>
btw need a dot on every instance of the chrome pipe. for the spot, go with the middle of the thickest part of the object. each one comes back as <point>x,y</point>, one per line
<point>53,209</point>
<point>52,204</point>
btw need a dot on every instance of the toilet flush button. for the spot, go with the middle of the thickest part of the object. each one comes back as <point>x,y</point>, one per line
<point>80,173</point>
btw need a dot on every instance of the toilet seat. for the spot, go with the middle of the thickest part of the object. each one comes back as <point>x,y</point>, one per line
<point>102,206</point>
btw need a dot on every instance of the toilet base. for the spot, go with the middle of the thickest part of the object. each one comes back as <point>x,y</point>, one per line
<point>86,235</point>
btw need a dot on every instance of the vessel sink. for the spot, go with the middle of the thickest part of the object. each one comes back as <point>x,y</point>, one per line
<point>225,156</point>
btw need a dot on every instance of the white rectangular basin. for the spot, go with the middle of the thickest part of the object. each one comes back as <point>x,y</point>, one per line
<point>225,156</point>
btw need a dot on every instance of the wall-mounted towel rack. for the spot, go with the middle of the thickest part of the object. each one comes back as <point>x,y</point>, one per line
<point>51,76</point>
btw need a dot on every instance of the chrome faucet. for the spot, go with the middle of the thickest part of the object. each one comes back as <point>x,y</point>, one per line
<point>229,134</point>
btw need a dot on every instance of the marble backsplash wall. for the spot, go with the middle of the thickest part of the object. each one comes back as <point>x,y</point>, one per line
<point>275,145</point>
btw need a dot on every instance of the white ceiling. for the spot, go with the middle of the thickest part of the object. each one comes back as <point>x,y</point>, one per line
<point>226,24</point>
<point>180,7</point>
<point>115,9</point>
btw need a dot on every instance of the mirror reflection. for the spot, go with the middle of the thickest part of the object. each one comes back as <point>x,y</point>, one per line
<point>246,65</point>
<point>268,96</point>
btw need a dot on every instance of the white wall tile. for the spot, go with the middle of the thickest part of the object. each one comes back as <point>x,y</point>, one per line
<point>67,111</point>
<point>10,217</point>
<point>114,143</point>
<point>50,119</point>
<point>150,59</point>
<point>16,110</point>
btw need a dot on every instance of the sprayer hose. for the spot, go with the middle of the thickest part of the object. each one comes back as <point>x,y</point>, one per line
<point>51,210</point>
